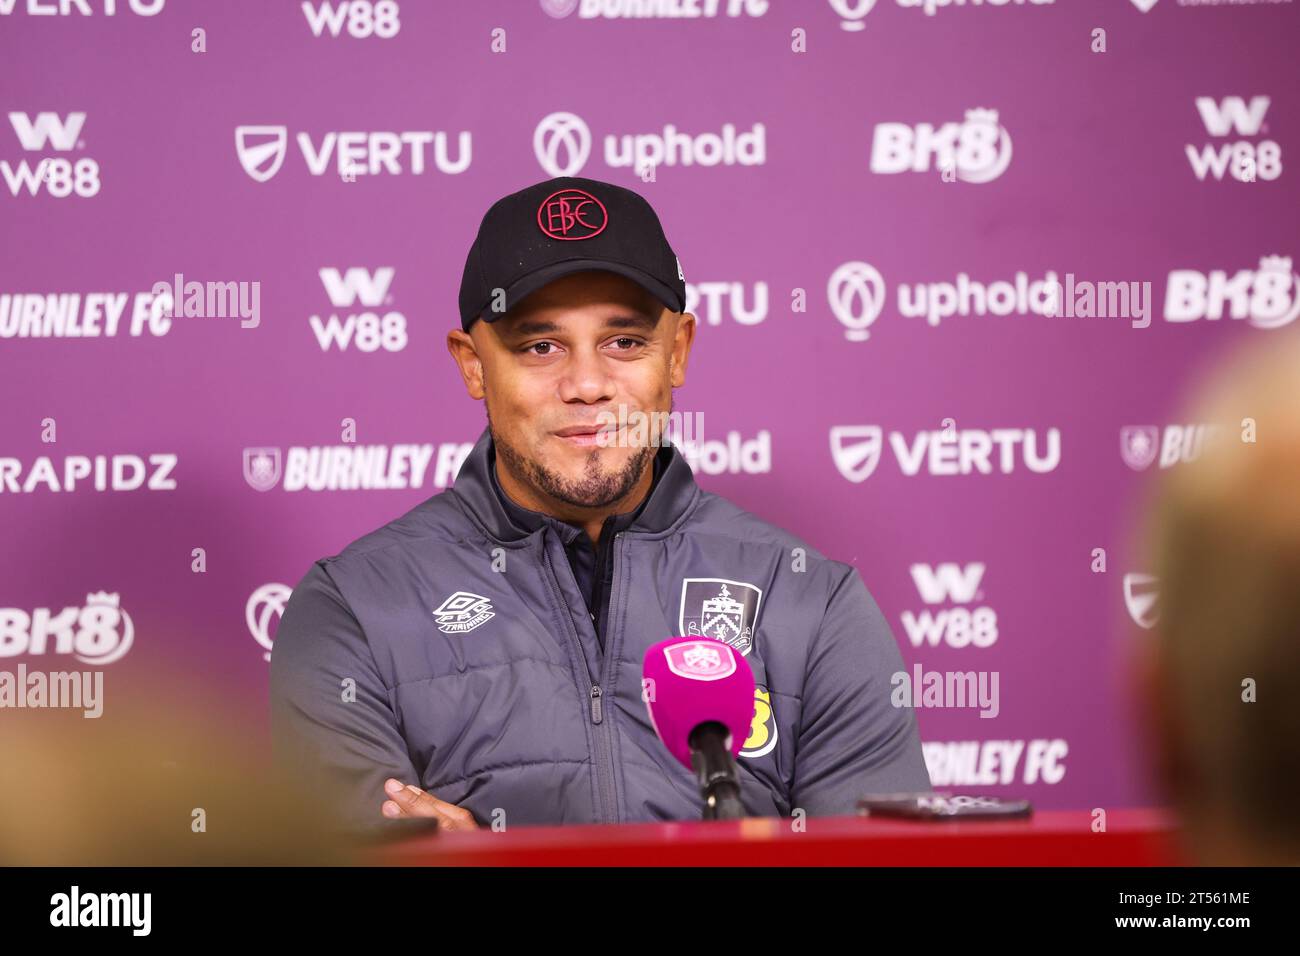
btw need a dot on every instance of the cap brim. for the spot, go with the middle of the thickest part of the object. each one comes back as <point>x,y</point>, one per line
<point>517,291</point>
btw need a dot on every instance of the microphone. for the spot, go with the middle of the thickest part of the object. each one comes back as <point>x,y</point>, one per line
<point>700,694</point>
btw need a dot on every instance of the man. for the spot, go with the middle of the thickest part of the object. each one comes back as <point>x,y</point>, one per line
<point>478,660</point>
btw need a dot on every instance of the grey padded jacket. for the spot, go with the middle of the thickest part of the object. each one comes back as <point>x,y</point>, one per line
<point>452,649</point>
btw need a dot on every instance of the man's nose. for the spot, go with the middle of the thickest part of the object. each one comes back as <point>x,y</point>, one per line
<point>586,378</point>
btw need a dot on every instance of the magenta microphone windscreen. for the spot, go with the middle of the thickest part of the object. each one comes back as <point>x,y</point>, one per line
<point>687,681</point>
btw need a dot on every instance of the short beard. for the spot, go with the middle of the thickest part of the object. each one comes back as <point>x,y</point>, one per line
<point>596,489</point>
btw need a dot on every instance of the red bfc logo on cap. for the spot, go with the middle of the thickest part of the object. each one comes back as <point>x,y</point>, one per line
<point>572,214</point>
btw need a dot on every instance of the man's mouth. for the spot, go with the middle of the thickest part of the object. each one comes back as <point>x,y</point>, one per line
<point>586,435</point>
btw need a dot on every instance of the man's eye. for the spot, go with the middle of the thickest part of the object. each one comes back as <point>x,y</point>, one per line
<point>544,346</point>
<point>631,342</point>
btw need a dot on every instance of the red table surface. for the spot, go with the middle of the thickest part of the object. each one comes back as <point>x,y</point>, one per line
<point>1136,837</point>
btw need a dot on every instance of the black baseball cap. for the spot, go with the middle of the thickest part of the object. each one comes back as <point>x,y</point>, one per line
<point>563,225</point>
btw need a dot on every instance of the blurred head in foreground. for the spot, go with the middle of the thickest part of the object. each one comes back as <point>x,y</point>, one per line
<point>1221,679</point>
<point>166,776</point>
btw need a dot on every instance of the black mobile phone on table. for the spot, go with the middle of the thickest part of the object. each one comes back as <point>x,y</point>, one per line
<point>942,806</point>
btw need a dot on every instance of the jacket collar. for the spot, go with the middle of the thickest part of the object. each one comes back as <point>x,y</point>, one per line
<point>503,520</point>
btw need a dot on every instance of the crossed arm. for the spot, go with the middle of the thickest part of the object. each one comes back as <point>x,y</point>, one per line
<point>332,719</point>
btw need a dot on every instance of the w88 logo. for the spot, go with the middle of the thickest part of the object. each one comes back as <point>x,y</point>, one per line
<point>362,18</point>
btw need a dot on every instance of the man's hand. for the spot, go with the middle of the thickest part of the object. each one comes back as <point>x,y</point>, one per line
<point>408,800</point>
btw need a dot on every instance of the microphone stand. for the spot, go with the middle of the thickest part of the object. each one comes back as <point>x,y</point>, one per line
<point>716,771</point>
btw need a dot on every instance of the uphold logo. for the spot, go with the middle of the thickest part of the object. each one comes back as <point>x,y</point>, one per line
<point>856,295</point>
<point>265,607</point>
<point>562,132</point>
<point>851,13</point>
<point>565,134</point>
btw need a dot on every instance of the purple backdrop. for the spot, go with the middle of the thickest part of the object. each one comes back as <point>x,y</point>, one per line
<point>844,166</point>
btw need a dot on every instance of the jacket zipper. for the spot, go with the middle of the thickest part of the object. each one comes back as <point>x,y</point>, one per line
<point>606,802</point>
<point>607,656</point>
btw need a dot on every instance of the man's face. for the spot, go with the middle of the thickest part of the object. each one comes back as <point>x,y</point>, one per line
<point>586,344</point>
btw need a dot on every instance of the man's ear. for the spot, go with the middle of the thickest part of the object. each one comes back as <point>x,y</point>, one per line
<point>682,340</point>
<point>462,348</point>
